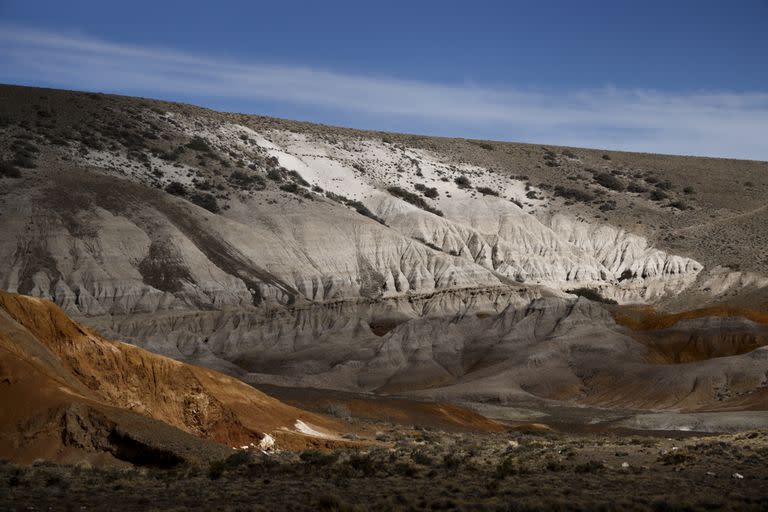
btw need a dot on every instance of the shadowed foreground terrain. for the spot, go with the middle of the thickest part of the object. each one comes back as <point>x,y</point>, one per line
<point>428,470</point>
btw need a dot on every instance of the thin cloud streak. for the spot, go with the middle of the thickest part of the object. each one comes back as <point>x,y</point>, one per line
<point>713,124</point>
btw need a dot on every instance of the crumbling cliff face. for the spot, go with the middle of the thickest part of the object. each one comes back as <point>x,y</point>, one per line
<point>308,255</point>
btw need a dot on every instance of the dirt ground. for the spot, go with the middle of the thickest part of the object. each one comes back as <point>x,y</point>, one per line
<point>428,470</point>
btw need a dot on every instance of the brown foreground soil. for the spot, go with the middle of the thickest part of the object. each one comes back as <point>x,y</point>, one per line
<point>428,470</point>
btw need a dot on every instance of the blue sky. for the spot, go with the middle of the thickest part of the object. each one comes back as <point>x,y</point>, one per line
<point>672,77</point>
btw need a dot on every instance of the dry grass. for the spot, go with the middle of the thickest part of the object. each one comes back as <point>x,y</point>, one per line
<point>428,470</point>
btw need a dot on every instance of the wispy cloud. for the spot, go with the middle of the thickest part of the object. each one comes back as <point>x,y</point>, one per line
<point>715,124</point>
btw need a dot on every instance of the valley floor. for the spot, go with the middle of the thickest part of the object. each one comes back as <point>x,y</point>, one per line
<point>429,470</point>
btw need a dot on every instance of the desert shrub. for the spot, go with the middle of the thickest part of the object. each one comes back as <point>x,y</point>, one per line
<point>591,466</point>
<point>176,188</point>
<point>22,160</point>
<point>508,467</point>
<point>363,210</point>
<point>414,199</point>
<point>338,411</point>
<point>689,190</point>
<point>608,205</point>
<point>453,460</point>
<point>658,195</point>
<point>591,294</point>
<point>610,181</point>
<point>531,194</point>
<point>516,201</point>
<point>357,205</point>
<point>422,458</point>
<point>606,157</point>
<point>203,185</point>
<point>247,181</point>
<point>679,205</point>
<point>206,200</point>
<point>291,187</point>
<point>56,140</point>
<point>199,144</point>
<point>575,194</point>
<point>673,458</point>
<point>554,466</point>
<point>405,469</point>
<point>317,458</point>
<point>636,188</point>
<point>664,185</point>
<point>331,503</point>
<point>463,182</point>
<point>9,170</point>
<point>486,146</point>
<point>295,176</point>
<point>365,463</point>
<point>216,469</point>
<point>174,155</point>
<point>487,191</point>
<point>430,192</point>
<point>275,174</point>
<point>627,274</point>
<point>550,159</point>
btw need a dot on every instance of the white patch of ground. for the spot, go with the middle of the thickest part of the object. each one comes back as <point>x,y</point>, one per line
<point>302,427</point>
<point>359,169</point>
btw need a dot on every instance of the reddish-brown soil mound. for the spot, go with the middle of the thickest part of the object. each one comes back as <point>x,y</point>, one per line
<point>400,411</point>
<point>63,386</point>
<point>646,318</point>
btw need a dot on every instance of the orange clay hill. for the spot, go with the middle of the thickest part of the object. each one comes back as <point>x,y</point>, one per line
<point>646,318</point>
<point>69,395</point>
